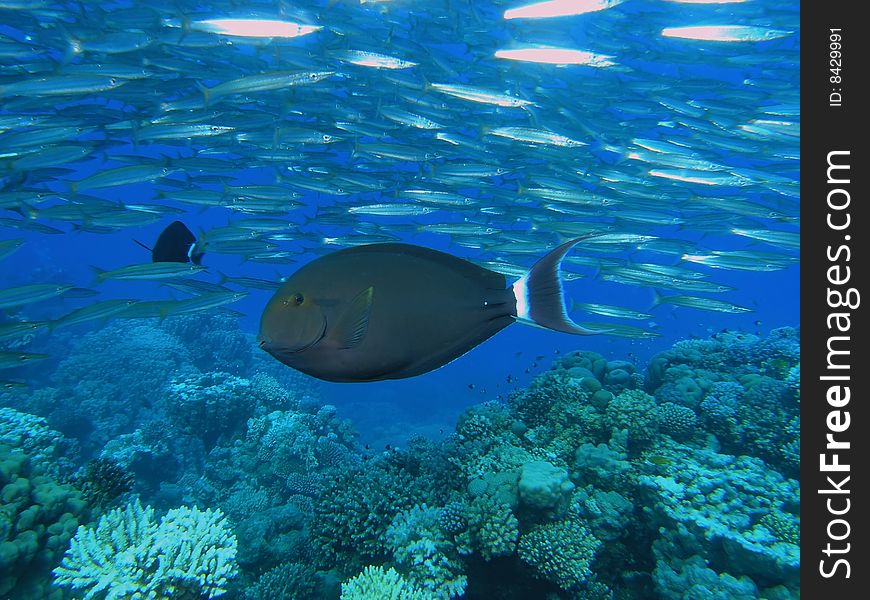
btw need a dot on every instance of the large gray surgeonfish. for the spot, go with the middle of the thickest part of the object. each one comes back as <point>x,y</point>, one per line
<point>390,311</point>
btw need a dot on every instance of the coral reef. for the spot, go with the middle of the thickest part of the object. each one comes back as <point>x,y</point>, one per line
<point>424,554</point>
<point>100,388</point>
<point>676,420</point>
<point>46,448</point>
<point>599,480</point>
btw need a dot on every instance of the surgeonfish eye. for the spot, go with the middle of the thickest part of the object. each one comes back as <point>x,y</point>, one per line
<point>298,299</point>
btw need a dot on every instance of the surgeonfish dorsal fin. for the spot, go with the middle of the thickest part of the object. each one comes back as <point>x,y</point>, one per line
<point>540,298</point>
<point>174,244</point>
<point>353,325</point>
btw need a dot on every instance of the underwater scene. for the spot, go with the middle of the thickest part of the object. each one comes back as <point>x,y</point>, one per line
<point>393,300</point>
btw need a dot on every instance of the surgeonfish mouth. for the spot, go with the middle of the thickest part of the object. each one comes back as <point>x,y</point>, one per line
<point>277,351</point>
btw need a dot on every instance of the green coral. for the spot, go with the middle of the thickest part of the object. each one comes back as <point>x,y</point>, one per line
<point>38,516</point>
<point>560,552</point>
<point>377,583</point>
<point>189,554</point>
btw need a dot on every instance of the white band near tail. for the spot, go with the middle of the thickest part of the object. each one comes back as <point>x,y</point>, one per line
<point>539,296</point>
<point>521,293</point>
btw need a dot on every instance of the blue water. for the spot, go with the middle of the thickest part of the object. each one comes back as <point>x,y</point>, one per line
<point>694,94</point>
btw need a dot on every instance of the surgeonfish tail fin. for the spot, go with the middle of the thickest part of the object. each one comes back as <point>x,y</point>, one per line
<point>539,294</point>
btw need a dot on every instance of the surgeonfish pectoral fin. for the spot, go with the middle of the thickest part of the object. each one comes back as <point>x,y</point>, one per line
<point>539,294</point>
<point>353,325</point>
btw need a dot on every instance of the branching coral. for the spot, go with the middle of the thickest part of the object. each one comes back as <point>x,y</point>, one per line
<point>189,554</point>
<point>284,582</point>
<point>560,552</point>
<point>425,554</point>
<point>784,526</point>
<point>493,530</point>
<point>551,389</point>
<point>355,508</point>
<point>383,584</point>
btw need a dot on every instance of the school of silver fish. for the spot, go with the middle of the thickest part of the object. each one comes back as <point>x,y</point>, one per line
<point>669,127</point>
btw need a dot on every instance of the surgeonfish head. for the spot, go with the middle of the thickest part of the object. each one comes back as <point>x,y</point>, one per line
<point>391,311</point>
<point>176,243</point>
